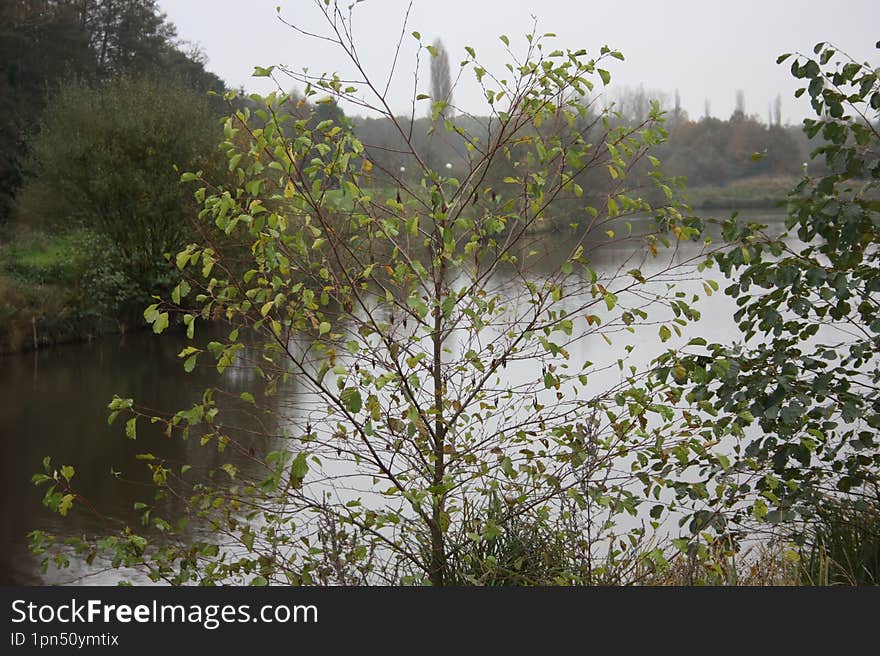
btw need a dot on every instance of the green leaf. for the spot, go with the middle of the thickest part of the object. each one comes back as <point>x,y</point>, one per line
<point>298,469</point>
<point>351,399</point>
<point>259,581</point>
<point>181,259</point>
<point>605,75</point>
<point>161,323</point>
<point>665,333</point>
<point>610,300</point>
<point>491,530</point>
<point>131,428</point>
<point>65,504</point>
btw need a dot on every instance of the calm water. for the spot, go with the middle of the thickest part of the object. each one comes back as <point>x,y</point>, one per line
<point>54,403</point>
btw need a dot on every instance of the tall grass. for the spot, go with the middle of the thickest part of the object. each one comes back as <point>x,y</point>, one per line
<point>843,547</point>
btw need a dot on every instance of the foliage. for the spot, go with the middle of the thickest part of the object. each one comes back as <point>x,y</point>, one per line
<point>32,314</point>
<point>806,376</point>
<point>715,152</point>
<point>409,455</point>
<point>761,192</point>
<point>726,164</point>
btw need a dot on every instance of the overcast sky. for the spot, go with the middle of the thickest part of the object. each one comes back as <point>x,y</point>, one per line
<point>705,49</point>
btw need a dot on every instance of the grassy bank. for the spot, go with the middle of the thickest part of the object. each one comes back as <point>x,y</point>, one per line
<point>36,300</point>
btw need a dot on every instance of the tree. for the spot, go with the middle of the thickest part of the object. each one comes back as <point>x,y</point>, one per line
<point>40,43</point>
<point>739,112</point>
<point>806,376</point>
<point>441,82</point>
<point>411,456</point>
<point>105,159</point>
<point>44,43</point>
<point>678,115</point>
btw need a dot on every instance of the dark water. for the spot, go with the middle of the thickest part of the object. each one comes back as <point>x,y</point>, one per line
<point>53,402</point>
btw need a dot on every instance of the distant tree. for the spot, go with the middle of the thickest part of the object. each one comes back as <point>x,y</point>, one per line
<point>41,42</point>
<point>634,104</point>
<point>441,82</point>
<point>739,112</point>
<point>678,114</point>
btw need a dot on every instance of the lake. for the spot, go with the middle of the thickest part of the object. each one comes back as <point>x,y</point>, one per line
<point>54,402</point>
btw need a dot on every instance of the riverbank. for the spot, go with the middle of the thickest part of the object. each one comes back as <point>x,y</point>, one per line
<point>47,295</point>
<point>746,193</point>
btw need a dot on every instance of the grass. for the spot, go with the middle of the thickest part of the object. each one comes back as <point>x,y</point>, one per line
<point>773,563</point>
<point>844,545</point>
<point>36,281</point>
<point>36,257</point>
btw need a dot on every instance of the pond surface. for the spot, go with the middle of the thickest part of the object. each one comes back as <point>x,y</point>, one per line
<point>54,402</point>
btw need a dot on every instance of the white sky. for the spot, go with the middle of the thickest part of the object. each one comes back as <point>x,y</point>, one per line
<point>705,49</point>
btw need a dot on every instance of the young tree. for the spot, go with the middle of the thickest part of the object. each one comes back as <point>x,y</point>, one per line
<point>806,377</point>
<point>411,453</point>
